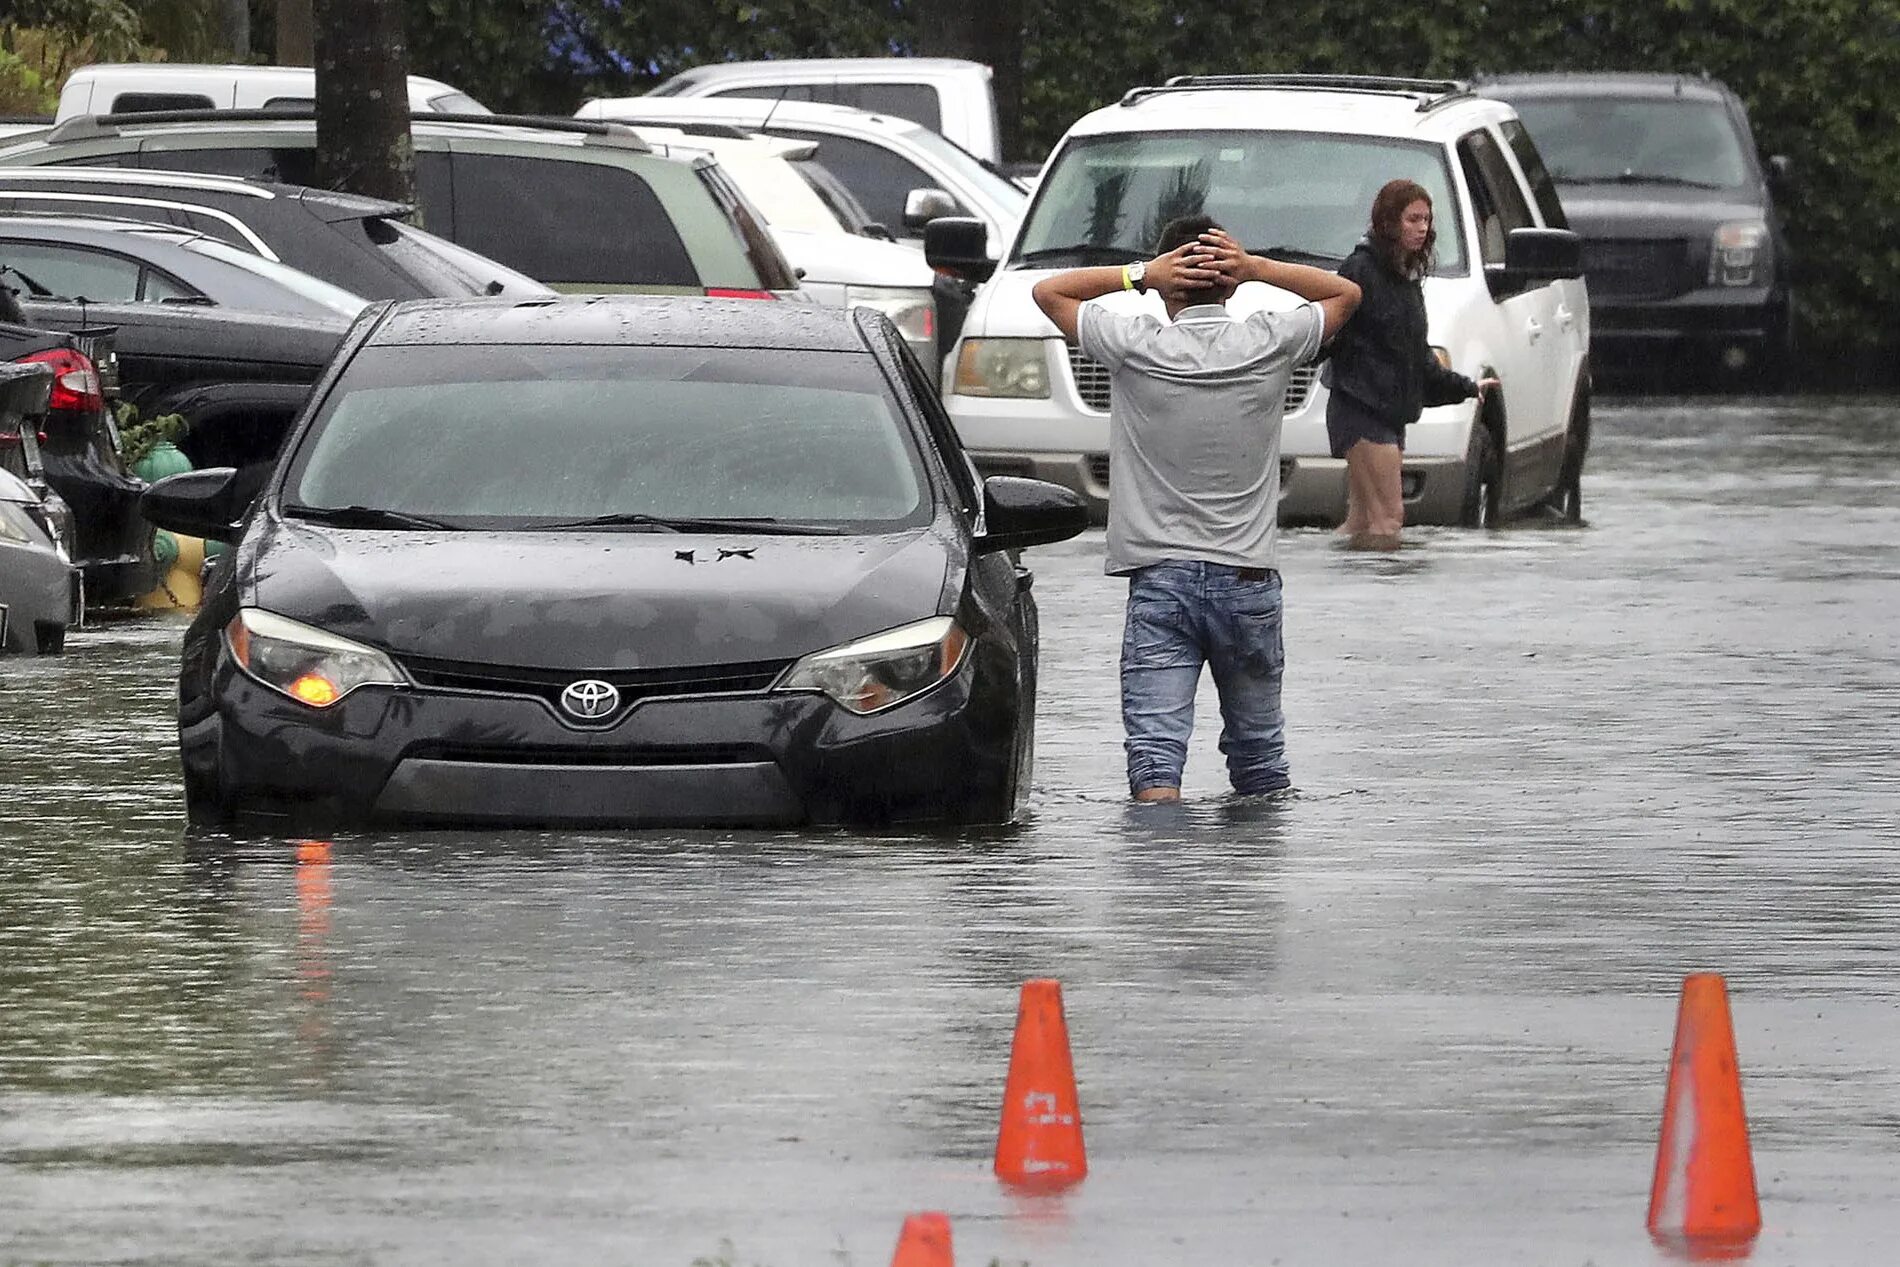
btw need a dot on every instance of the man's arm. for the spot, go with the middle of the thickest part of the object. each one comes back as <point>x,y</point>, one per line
<point>1062,295</point>
<point>1337,297</point>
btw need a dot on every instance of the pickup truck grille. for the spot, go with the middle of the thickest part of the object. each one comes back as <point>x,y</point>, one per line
<point>1091,382</point>
<point>1636,268</point>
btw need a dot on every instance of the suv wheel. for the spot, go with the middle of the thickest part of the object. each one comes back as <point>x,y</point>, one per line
<point>1483,480</point>
<point>1567,498</point>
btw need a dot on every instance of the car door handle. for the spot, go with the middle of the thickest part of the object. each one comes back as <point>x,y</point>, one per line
<point>1536,329</point>
<point>1566,319</point>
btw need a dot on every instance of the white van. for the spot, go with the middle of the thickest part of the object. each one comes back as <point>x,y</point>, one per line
<point>143,87</point>
<point>951,97</point>
<point>1289,164</point>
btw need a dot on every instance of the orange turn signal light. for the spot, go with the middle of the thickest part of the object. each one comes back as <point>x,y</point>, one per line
<point>316,691</point>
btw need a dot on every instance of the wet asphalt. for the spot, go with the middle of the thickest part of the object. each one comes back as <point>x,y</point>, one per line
<point>1419,1012</point>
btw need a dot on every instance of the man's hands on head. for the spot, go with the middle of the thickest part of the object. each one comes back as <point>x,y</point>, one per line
<point>1188,268</point>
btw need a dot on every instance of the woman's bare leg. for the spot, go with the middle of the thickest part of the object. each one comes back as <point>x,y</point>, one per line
<point>1358,493</point>
<point>1385,514</point>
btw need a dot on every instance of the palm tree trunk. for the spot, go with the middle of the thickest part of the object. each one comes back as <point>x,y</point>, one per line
<point>363,143</point>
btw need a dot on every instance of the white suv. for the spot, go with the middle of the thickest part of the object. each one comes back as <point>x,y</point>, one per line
<point>1289,164</point>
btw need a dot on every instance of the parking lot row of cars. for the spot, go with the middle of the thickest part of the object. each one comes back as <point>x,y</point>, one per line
<point>799,385</point>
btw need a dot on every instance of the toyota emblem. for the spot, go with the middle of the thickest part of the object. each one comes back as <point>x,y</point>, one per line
<point>590,699</point>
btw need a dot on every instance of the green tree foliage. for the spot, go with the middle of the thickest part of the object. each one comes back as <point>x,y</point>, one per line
<point>1815,74</point>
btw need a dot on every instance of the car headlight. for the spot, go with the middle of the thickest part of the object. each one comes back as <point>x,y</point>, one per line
<point>884,670</point>
<point>307,664</point>
<point>913,312</point>
<point>1737,253</point>
<point>1016,368</point>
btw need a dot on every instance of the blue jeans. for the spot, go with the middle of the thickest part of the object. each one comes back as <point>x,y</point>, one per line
<point>1182,615</point>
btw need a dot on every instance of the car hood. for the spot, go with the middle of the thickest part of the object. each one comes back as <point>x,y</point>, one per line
<point>846,259</point>
<point>1624,210</point>
<point>600,600</point>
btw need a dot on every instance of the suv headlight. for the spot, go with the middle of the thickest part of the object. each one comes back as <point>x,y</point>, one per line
<point>884,670</point>
<point>913,312</point>
<point>1737,253</point>
<point>1016,368</point>
<point>307,664</point>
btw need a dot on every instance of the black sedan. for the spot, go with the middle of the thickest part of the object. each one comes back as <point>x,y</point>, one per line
<point>617,561</point>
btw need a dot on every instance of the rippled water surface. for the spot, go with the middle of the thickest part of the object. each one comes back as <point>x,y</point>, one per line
<point>1419,1013</point>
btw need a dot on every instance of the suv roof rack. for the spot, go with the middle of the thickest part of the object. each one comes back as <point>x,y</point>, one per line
<point>607,132</point>
<point>1428,93</point>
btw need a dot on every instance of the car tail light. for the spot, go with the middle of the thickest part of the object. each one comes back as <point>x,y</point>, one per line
<point>75,380</point>
<point>737,292</point>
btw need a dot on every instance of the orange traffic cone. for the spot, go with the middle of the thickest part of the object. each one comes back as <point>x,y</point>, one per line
<point>1705,1177</point>
<point>1040,1142</point>
<point>925,1242</point>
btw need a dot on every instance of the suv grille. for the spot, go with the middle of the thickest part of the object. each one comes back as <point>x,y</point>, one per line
<point>1635,268</point>
<point>635,685</point>
<point>1091,382</point>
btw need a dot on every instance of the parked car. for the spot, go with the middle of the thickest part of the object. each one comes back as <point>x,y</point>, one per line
<point>360,244</point>
<point>1290,164</point>
<point>130,88</point>
<point>40,590</point>
<point>836,266</point>
<point>71,456</point>
<point>12,125</point>
<point>742,573</point>
<point>58,267</point>
<point>904,174</point>
<point>577,206</point>
<point>1683,247</point>
<point>949,96</point>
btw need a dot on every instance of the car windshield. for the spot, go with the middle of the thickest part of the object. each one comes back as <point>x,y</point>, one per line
<point>1664,140</point>
<point>1298,195</point>
<point>318,292</point>
<point>441,267</point>
<point>521,436</point>
<point>1004,194</point>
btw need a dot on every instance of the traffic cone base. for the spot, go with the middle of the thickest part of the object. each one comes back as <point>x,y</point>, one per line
<point>1039,1144</point>
<point>1704,1191</point>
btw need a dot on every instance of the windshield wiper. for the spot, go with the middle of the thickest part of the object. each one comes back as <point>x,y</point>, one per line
<point>685,523</point>
<point>1632,178</point>
<point>1081,252</point>
<point>366,517</point>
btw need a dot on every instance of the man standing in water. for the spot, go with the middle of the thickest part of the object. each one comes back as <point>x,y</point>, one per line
<point>1194,444</point>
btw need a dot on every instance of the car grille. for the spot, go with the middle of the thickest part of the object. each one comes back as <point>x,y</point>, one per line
<point>1635,268</point>
<point>1091,382</point>
<point>635,685</point>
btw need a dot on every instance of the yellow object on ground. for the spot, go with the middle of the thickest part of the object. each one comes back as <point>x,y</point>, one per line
<point>178,589</point>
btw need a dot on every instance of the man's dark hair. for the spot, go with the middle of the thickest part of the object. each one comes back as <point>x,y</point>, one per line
<point>1182,230</point>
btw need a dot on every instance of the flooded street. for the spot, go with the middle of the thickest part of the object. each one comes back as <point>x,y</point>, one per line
<point>1420,1011</point>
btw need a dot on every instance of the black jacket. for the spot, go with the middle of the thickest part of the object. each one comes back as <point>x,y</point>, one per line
<point>1381,357</point>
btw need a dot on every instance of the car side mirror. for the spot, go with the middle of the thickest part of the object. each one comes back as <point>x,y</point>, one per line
<point>1018,513</point>
<point>1780,170</point>
<point>205,503</point>
<point>959,246</point>
<point>921,206</point>
<point>1535,256</point>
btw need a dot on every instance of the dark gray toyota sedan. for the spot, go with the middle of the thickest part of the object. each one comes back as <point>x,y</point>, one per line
<point>613,561</point>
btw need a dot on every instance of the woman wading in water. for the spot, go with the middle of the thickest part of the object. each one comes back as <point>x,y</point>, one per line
<point>1382,371</point>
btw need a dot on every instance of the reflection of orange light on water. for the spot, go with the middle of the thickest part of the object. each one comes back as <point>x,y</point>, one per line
<point>313,912</point>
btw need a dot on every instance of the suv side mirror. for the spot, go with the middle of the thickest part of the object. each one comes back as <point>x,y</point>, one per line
<point>921,206</point>
<point>960,246</point>
<point>204,503</point>
<point>1021,512</point>
<point>1535,256</point>
<point>1780,170</point>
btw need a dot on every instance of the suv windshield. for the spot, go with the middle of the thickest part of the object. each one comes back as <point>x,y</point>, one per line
<point>550,435</point>
<point>1299,195</point>
<point>1665,140</point>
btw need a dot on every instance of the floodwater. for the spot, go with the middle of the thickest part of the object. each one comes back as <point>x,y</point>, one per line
<point>1419,1012</point>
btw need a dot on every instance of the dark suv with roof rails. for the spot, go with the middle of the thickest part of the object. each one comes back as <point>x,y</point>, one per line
<point>1683,247</point>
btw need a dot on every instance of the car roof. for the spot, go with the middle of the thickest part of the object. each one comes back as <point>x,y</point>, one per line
<point>918,67</point>
<point>186,184</point>
<point>102,228</point>
<point>636,320</point>
<point>1603,84</point>
<point>747,112</point>
<point>1429,110</point>
<point>234,70</point>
